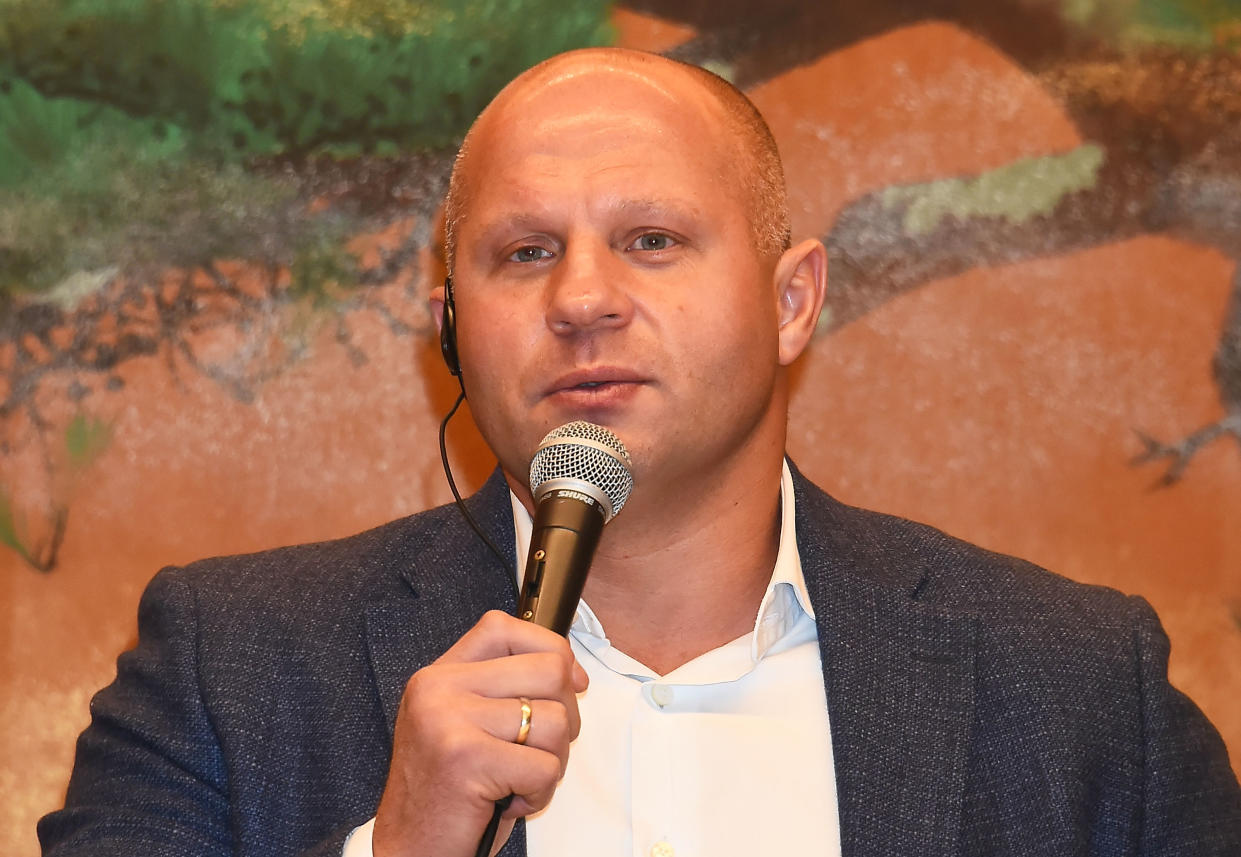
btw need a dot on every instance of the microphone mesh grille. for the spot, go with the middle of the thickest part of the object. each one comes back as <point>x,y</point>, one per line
<point>586,452</point>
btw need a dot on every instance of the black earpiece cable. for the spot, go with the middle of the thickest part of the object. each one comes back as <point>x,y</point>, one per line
<point>461,507</point>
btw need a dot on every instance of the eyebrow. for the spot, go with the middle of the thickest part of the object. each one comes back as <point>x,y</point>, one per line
<point>518,220</point>
<point>659,209</point>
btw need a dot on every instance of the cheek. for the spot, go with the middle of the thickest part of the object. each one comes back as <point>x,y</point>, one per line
<point>739,336</point>
<point>493,362</point>
<point>491,337</point>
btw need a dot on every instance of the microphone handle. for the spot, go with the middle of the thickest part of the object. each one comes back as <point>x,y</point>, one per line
<point>563,538</point>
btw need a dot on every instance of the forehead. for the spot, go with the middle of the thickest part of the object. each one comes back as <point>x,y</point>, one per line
<point>586,128</point>
<point>649,89</point>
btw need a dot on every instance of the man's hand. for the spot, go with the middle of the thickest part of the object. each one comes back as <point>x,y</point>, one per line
<point>453,753</point>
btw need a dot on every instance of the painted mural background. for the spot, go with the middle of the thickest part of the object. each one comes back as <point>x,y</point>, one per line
<point>217,230</point>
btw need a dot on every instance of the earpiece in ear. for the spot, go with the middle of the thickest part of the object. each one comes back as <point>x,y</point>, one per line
<point>448,331</point>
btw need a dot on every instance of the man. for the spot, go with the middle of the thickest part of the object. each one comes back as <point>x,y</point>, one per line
<point>755,668</point>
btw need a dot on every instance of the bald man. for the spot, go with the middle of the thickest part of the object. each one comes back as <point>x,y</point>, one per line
<point>754,667</point>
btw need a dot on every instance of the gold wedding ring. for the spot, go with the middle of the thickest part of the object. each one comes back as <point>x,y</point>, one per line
<point>523,731</point>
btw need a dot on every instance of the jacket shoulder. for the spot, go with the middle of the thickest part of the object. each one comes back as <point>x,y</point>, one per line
<point>426,549</point>
<point>341,565</point>
<point>939,569</point>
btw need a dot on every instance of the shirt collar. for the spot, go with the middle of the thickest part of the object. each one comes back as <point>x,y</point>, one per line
<point>785,600</point>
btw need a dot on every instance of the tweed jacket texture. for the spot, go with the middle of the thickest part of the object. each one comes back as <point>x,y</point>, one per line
<point>979,705</point>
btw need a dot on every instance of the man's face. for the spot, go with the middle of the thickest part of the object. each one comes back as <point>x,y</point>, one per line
<point>606,270</point>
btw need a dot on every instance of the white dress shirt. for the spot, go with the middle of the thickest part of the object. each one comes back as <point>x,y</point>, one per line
<point>729,754</point>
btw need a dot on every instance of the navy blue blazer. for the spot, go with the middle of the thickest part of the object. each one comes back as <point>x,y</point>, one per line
<point>979,705</point>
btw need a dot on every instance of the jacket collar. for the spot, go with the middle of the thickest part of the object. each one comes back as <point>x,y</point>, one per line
<point>898,673</point>
<point>453,580</point>
<point>455,540</point>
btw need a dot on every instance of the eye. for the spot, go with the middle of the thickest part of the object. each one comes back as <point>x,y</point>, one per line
<point>530,253</point>
<point>652,242</point>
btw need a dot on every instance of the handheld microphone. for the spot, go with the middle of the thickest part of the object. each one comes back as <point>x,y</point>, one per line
<point>580,478</point>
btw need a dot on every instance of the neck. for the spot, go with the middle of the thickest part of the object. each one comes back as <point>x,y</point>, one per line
<point>675,579</point>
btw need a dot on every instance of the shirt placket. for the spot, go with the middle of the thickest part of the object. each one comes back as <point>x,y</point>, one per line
<point>656,829</point>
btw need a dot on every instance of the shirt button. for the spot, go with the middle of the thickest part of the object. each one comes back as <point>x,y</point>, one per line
<point>662,849</point>
<point>663,696</point>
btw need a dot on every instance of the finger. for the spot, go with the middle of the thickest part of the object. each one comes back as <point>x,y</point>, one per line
<point>550,727</point>
<point>498,634</point>
<point>539,675</point>
<point>485,696</point>
<point>527,773</point>
<point>523,805</point>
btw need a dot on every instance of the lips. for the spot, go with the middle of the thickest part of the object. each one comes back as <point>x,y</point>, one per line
<point>594,380</point>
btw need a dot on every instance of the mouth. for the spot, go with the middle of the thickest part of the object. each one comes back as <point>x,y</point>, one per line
<point>585,382</point>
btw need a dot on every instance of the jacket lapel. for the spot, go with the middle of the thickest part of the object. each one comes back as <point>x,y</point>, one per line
<point>447,580</point>
<point>899,677</point>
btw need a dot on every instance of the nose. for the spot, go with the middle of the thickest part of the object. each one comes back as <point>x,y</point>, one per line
<point>587,294</point>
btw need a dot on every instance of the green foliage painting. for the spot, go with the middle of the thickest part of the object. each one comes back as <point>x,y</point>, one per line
<point>115,114</point>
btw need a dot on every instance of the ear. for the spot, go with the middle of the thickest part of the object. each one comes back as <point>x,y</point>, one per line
<point>436,301</point>
<point>801,286</point>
